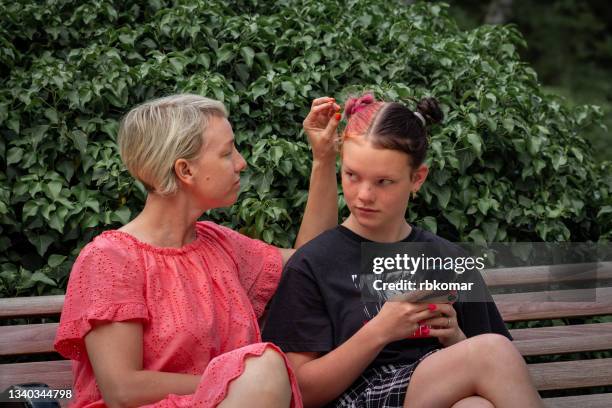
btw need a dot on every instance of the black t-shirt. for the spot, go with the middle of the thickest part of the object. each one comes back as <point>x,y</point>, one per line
<point>317,306</point>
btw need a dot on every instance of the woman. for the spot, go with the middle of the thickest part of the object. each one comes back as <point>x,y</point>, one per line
<point>346,353</point>
<point>163,311</point>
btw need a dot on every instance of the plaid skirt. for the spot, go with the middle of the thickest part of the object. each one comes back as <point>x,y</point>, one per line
<point>379,387</point>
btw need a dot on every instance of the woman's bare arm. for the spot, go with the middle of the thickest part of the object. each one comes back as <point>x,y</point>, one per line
<point>321,211</point>
<point>115,353</point>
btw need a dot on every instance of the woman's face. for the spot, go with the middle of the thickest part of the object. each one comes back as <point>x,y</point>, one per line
<point>377,183</point>
<point>215,174</point>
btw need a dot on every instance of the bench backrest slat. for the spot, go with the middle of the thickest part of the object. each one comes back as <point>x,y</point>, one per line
<point>27,339</point>
<point>31,306</point>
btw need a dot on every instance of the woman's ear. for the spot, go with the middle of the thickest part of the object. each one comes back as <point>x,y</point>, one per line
<point>183,171</point>
<point>419,176</point>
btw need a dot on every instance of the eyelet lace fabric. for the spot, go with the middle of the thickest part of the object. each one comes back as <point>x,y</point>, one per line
<point>198,306</point>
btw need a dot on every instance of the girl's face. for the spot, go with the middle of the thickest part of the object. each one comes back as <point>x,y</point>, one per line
<point>377,184</point>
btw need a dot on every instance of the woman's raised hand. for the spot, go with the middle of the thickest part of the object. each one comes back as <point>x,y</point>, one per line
<point>320,126</point>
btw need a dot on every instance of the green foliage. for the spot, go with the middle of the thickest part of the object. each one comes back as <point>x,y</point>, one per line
<point>570,47</point>
<point>509,163</point>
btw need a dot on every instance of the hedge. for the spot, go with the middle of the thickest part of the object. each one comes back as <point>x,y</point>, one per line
<point>508,164</point>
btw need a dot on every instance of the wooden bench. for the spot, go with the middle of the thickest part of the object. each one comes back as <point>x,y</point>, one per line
<point>521,306</point>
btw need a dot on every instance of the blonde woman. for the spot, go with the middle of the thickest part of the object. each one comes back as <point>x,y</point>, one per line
<point>163,311</point>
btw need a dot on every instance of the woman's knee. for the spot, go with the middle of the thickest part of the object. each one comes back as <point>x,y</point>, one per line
<point>271,366</point>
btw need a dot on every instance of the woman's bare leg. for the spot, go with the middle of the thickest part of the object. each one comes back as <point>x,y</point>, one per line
<point>487,365</point>
<point>263,384</point>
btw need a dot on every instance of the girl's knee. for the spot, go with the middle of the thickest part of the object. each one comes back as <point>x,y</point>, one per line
<point>495,349</point>
<point>473,402</point>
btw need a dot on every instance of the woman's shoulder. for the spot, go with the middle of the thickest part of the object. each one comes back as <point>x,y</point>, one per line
<point>112,244</point>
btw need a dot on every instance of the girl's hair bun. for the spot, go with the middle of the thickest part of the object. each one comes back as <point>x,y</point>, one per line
<point>430,109</point>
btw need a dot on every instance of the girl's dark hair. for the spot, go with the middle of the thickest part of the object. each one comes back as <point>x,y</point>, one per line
<point>392,125</point>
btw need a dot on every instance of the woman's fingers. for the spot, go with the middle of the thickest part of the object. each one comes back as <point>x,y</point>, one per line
<point>328,106</point>
<point>322,100</point>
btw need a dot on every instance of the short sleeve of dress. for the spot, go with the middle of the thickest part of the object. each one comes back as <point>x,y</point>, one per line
<point>106,284</point>
<point>259,267</point>
<point>298,320</point>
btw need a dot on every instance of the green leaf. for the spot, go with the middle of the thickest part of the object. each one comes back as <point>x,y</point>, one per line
<point>577,153</point>
<point>41,243</point>
<point>51,114</point>
<point>268,235</point>
<point>457,218</point>
<point>93,204</point>
<point>443,194</point>
<point>277,153</point>
<point>476,143</point>
<point>80,140</point>
<point>477,236</point>
<point>248,54</point>
<point>225,53</point>
<point>508,124</point>
<point>122,215</point>
<point>483,205</point>
<point>606,209</point>
<point>259,91</point>
<point>55,260</point>
<point>430,224</point>
<point>289,88</point>
<point>41,277</point>
<point>14,155</point>
<point>53,189</point>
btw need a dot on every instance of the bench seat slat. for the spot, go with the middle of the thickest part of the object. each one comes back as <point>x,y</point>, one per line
<point>563,339</point>
<point>572,374</point>
<point>27,339</point>
<point>582,401</point>
<point>56,374</point>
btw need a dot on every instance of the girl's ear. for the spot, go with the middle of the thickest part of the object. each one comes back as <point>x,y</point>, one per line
<point>419,176</point>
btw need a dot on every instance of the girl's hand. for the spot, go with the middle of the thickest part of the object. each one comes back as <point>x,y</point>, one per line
<point>445,326</point>
<point>320,126</point>
<point>398,320</point>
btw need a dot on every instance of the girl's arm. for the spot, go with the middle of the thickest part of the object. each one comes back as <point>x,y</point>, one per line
<point>115,353</point>
<point>324,378</point>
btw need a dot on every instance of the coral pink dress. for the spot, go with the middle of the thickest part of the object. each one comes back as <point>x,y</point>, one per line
<point>198,305</point>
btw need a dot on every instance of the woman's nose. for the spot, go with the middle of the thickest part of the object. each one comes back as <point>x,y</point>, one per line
<point>241,163</point>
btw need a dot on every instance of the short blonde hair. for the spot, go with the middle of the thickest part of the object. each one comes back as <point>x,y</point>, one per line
<point>155,134</point>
